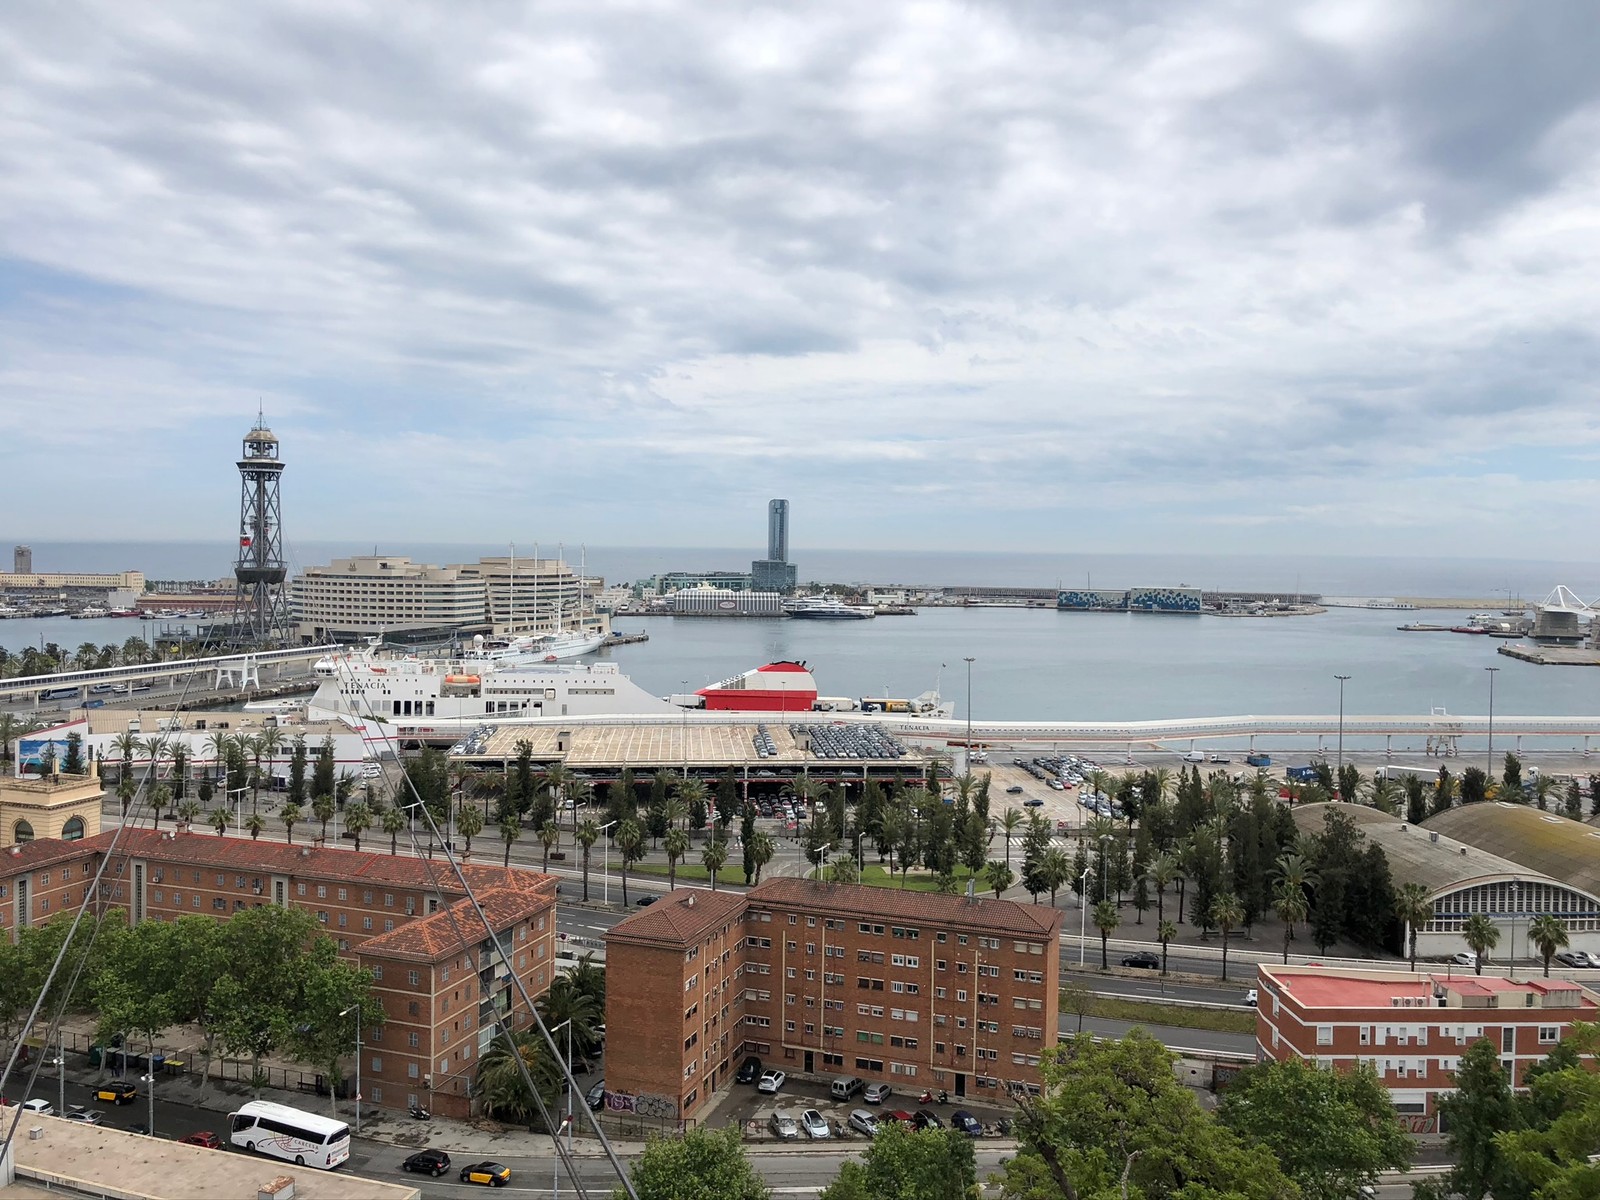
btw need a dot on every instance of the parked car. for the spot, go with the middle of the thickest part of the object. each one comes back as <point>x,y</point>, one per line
<point>39,1108</point>
<point>596,1096</point>
<point>1466,958</point>
<point>927,1120</point>
<point>426,1162</point>
<point>1014,790</point>
<point>1147,960</point>
<point>909,1120</point>
<point>863,1121</point>
<point>1573,958</point>
<point>644,901</point>
<point>490,1174</point>
<point>86,1116</point>
<point>877,1093</point>
<point>1033,802</point>
<point>1250,997</point>
<point>209,1140</point>
<point>967,1123</point>
<point>783,1127</point>
<point>771,1081</point>
<point>749,1070</point>
<point>811,1121</point>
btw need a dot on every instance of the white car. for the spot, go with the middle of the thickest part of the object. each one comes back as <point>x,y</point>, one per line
<point>39,1108</point>
<point>811,1121</point>
<point>771,1081</point>
<point>863,1121</point>
<point>1250,997</point>
<point>1467,958</point>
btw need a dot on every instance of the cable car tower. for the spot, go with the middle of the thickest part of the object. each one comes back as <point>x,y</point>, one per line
<point>261,602</point>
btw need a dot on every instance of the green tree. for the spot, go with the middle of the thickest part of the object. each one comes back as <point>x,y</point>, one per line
<point>998,876</point>
<point>1226,915</point>
<point>565,1001</point>
<point>588,835</point>
<point>549,838</point>
<point>676,844</point>
<point>1113,1121</point>
<point>714,856</point>
<point>254,824</point>
<point>1414,907</point>
<point>1106,919</point>
<point>1481,936</point>
<point>763,847</point>
<point>1548,933</point>
<point>501,1085</point>
<point>510,831</point>
<point>902,1164</point>
<point>325,986</point>
<point>702,1164</point>
<point>1289,902</point>
<point>1332,1131</point>
<point>219,820</point>
<point>1010,821</point>
<point>357,820</point>
<point>393,823</point>
<point>1480,1108</point>
<point>630,841</point>
<point>322,808</point>
<point>1165,932</point>
<point>469,822</point>
<point>290,815</point>
<point>1548,1151</point>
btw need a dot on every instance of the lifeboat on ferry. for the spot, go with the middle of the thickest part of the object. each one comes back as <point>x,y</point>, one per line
<point>466,679</point>
<point>778,687</point>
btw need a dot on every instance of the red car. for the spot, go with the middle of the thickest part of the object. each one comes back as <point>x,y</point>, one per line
<point>203,1137</point>
<point>909,1120</point>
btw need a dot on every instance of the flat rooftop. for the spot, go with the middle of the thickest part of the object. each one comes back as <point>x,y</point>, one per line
<point>670,742</point>
<point>109,1162</point>
<point>1335,989</point>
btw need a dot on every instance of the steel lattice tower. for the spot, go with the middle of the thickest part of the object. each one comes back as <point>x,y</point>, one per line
<point>261,600</point>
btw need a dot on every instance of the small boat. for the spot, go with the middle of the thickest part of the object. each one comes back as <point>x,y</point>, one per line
<point>826,608</point>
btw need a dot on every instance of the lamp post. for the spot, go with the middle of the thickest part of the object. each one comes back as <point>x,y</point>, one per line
<point>968,661</point>
<point>1343,679</point>
<point>1083,910</point>
<point>238,811</point>
<point>1493,671</point>
<point>555,1166</point>
<point>356,1008</point>
<point>860,862</point>
<point>605,865</point>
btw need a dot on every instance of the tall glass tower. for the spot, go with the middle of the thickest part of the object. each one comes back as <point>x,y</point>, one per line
<point>775,573</point>
<point>778,531</point>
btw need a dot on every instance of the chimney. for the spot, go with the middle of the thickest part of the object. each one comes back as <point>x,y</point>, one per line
<point>691,901</point>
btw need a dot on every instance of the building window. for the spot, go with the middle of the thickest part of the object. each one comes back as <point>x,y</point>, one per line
<point>377,1064</point>
<point>1324,1035</point>
<point>413,978</point>
<point>1548,1034</point>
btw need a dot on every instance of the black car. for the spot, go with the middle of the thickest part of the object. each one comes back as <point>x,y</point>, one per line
<point>427,1162</point>
<point>749,1070</point>
<point>1148,959</point>
<point>644,901</point>
<point>927,1120</point>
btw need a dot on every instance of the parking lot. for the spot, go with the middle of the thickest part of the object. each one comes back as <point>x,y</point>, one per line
<point>752,1111</point>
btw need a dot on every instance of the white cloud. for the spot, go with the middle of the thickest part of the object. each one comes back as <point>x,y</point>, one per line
<point>1221,278</point>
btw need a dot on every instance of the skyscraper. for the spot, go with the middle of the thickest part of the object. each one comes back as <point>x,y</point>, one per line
<point>775,573</point>
<point>22,560</point>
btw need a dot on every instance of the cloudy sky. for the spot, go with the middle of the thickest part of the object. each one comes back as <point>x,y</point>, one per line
<point>1027,275</point>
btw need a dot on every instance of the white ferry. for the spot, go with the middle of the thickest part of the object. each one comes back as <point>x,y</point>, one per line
<point>824,608</point>
<point>530,649</point>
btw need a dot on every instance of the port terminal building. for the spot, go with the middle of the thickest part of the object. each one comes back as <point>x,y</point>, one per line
<point>1509,862</point>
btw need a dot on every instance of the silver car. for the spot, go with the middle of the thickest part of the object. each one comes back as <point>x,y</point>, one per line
<point>877,1093</point>
<point>814,1124</point>
<point>863,1121</point>
<point>783,1127</point>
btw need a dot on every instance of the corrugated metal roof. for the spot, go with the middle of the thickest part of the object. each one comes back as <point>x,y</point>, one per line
<point>1563,849</point>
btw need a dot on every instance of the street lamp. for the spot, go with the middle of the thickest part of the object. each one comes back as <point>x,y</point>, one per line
<point>238,812</point>
<point>555,1166</point>
<point>356,1008</point>
<point>605,865</point>
<point>861,865</point>
<point>968,661</point>
<point>1343,679</point>
<point>1083,910</point>
<point>1493,671</point>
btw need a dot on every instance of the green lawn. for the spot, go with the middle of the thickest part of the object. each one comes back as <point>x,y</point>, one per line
<point>1151,1012</point>
<point>730,873</point>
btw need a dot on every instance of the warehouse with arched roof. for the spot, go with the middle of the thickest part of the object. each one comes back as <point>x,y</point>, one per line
<point>1469,869</point>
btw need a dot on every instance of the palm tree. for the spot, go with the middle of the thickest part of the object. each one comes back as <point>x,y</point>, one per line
<point>188,810</point>
<point>1010,821</point>
<point>1226,913</point>
<point>357,820</point>
<point>690,792</point>
<point>566,1002</point>
<point>510,831</point>
<point>1165,932</point>
<point>630,840</point>
<point>1548,933</point>
<point>469,822</point>
<point>13,727</point>
<point>1106,918</point>
<point>714,856</point>
<point>255,823</point>
<point>1055,868</point>
<point>1289,902</point>
<point>588,835</point>
<point>676,844</point>
<point>290,815</point>
<point>1383,793</point>
<point>219,820</point>
<point>322,808</point>
<point>1481,936</point>
<point>550,837</point>
<point>1415,909</point>
<point>1163,870</point>
<point>998,876</point>
<point>500,1086</point>
<point>127,745</point>
<point>393,822</point>
<point>763,847</point>
<point>217,746</point>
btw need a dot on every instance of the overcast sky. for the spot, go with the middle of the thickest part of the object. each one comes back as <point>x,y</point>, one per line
<point>1029,275</point>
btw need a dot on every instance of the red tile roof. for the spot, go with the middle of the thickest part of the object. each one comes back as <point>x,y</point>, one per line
<point>456,928</point>
<point>922,908</point>
<point>681,918</point>
<point>46,852</point>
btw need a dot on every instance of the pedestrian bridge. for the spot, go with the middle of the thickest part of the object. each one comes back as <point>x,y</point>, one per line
<point>73,687</point>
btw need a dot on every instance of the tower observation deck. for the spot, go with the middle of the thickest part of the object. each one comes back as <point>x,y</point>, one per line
<point>261,599</point>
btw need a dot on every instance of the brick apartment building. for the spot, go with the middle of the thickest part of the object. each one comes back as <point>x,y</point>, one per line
<point>405,919</point>
<point>1413,1028</point>
<point>912,988</point>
